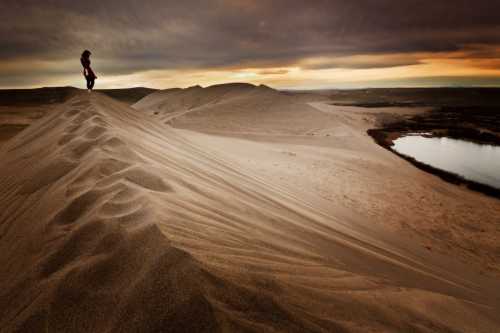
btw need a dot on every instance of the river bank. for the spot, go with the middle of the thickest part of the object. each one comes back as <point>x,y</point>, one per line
<point>474,124</point>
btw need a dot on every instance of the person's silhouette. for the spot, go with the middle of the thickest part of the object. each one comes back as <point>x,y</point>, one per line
<point>87,71</point>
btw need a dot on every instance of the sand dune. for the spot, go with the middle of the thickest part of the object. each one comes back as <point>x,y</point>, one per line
<point>302,141</point>
<point>21,107</point>
<point>113,221</point>
<point>237,108</point>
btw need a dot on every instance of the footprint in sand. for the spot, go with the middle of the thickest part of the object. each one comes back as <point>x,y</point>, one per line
<point>95,132</point>
<point>71,113</point>
<point>139,177</point>
<point>80,103</point>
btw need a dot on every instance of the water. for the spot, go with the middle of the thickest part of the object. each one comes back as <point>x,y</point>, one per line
<point>476,162</point>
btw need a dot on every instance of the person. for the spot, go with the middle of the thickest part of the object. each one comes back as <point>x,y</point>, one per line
<point>87,71</point>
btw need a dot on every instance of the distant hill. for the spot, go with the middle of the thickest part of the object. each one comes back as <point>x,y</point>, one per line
<point>28,97</point>
<point>128,95</point>
<point>381,97</point>
<point>55,95</point>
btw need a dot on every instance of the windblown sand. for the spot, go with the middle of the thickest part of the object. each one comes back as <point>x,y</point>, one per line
<point>112,220</point>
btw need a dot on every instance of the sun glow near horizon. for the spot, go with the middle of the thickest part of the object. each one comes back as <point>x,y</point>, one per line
<point>332,44</point>
<point>312,73</point>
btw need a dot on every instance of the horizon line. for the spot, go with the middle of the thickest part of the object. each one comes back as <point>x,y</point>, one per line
<point>279,89</point>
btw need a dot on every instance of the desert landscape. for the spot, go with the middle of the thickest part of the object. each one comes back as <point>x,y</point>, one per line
<point>234,207</point>
<point>249,166</point>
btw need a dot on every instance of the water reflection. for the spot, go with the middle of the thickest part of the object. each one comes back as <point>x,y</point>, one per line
<point>480,163</point>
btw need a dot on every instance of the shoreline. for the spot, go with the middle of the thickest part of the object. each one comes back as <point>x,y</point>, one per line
<point>452,122</point>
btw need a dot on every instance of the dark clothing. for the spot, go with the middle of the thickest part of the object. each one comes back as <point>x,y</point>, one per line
<point>88,72</point>
<point>90,82</point>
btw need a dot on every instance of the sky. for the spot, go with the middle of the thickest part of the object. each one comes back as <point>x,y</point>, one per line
<point>287,44</point>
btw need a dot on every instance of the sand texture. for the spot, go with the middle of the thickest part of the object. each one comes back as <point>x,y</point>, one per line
<point>111,220</point>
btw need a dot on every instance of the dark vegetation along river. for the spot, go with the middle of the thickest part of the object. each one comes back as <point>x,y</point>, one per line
<point>461,135</point>
<point>459,140</point>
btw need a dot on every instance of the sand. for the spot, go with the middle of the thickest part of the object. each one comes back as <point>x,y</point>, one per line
<point>113,220</point>
<point>303,141</point>
<point>14,119</point>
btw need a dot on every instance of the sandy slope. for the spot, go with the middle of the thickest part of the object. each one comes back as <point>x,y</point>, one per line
<point>21,107</point>
<point>14,119</point>
<point>112,221</point>
<point>304,142</point>
<point>237,107</point>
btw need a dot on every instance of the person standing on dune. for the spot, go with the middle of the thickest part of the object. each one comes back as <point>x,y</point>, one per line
<point>87,71</point>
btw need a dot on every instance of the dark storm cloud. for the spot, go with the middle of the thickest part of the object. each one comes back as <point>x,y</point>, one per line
<point>131,36</point>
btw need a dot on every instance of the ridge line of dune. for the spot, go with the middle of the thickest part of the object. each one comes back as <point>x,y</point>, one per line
<point>134,228</point>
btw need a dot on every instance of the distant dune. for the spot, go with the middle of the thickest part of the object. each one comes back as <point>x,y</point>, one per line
<point>181,100</point>
<point>128,95</point>
<point>111,220</point>
<point>237,108</point>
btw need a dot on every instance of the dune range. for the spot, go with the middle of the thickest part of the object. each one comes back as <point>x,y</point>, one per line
<point>111,220</point>
<point>322,152</point>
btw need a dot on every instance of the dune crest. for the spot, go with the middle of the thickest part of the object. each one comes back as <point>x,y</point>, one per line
<point>110,221</point>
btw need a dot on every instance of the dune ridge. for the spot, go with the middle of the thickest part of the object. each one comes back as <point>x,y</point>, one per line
<point>176,99</point>
<point>304,141</point>
<point>236,109</point>
<point>111,221</point>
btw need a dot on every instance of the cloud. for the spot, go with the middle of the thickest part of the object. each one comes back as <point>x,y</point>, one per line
<point>273,71</point>
<point>361,61</point>
<point>129,37</point>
